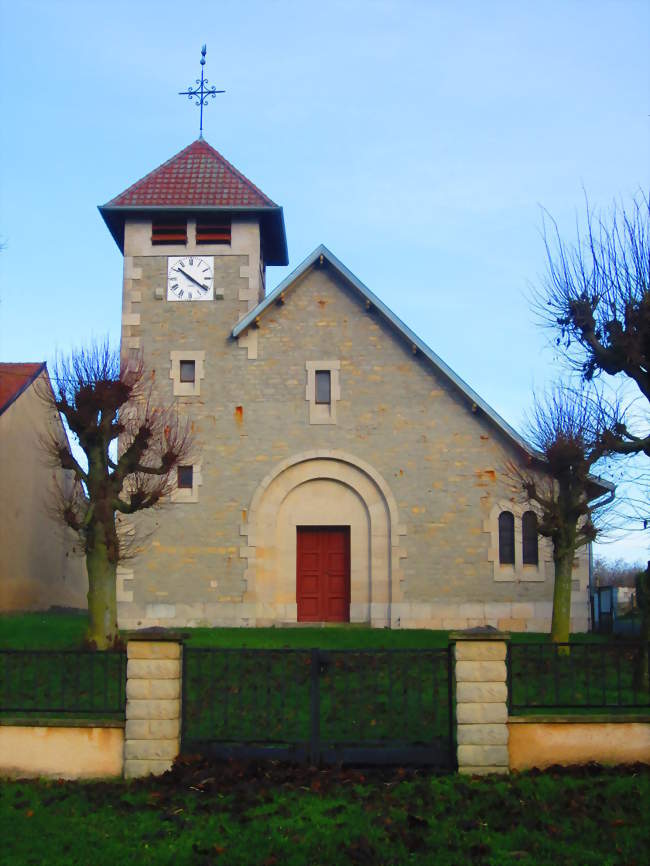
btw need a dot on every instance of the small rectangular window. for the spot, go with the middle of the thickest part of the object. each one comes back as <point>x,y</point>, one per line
<point>188,371</point>
<point>213,230</point>
<point>169,231</point>
<point>185,477</point>
<point>323,386</point>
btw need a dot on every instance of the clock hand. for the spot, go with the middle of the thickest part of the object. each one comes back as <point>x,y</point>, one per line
<point>190,277</point>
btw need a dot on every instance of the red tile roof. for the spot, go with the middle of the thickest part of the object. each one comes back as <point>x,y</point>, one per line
<point>14,379</point>
<point>198,176</point>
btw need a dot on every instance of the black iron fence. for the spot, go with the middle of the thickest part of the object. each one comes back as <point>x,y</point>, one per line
<point>577,676</point>
<point>366,706</point>
<point>62,682</point>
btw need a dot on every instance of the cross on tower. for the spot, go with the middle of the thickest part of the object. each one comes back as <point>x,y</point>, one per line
<point>202,92</point>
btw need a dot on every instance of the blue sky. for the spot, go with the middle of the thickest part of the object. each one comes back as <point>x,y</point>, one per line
<point>417,140</point>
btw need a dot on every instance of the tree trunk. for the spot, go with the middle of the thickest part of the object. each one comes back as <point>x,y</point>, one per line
<point>102,596</point>
<point>561,624</point>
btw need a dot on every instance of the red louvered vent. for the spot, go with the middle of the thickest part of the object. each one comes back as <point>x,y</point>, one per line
<point>213,230</point>
<point>167,231</point>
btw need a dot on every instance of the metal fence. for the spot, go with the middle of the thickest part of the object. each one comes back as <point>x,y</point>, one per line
<point>576,676</point>
<point>62,682</point>
<point>365,706</point>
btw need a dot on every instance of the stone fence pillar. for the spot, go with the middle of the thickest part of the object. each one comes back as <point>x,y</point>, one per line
<point>481,702</point>
<point>153,705</point>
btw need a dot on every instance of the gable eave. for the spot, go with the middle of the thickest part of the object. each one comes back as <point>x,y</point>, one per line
<point>274,237</point>
<point>29,380</point>
<point>475,400</point>
<point>477,403</point>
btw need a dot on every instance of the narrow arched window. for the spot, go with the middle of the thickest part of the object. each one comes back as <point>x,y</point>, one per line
<point>529,537</point>
<point>506,538</point>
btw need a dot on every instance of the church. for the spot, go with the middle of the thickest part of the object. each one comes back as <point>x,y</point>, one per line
<point>341,471</point>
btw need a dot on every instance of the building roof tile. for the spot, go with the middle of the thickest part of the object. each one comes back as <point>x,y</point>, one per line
<point>197,176</point>
<point>14,379</point>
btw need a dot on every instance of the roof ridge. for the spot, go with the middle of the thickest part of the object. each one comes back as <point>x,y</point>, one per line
<point>146,177</point>
<point>321,250</point>
<point>236,171</point>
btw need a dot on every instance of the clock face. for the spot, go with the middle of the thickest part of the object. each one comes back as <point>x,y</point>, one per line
<point>189,278</point>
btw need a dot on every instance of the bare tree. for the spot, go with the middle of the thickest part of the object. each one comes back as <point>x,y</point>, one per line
<point>616,572</point>
<point>569,500</point>
<point>103,401</point>
<point>597,295</point>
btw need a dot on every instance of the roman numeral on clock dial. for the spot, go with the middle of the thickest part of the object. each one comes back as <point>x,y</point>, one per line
<point>189,278</point>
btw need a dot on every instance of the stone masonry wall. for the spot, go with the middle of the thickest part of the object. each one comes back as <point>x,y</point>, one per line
<point>481,706</point>
<point>442,461</point>
<point>153,707</point>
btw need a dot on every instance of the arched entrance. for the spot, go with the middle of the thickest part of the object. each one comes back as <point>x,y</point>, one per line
<point>345,497</point>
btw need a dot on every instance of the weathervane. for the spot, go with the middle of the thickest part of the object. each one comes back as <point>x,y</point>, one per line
<point>201,93</point>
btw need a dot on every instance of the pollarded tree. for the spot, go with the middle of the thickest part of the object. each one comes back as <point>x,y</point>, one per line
<point>103,401</point>
<point>566,429</point>
<point>597,295</point>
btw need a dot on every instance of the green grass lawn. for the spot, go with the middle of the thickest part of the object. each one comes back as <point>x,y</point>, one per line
<point>50,630</point>
<point>42,630</point>
<point>66,631</point>
<point>282,817</point>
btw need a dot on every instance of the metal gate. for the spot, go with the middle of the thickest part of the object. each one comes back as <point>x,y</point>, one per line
<point>321,706</point>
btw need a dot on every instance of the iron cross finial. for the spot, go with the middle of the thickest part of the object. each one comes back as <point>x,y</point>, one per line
<point>202,92</point>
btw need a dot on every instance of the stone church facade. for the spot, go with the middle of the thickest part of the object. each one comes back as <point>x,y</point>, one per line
<point>340,470</point>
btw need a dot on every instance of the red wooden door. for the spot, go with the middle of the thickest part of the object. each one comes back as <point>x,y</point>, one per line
<point>323,574</point>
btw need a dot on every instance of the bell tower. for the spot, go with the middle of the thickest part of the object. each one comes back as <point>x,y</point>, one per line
<point>197,237</point>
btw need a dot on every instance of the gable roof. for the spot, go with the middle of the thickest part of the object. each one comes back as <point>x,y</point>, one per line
<point>322,254</point>
<point>198,178</point>
<point>16,378</point>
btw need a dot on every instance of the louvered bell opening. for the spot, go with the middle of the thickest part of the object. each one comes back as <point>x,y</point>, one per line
<point>213,231</point>
<point>169,232</point>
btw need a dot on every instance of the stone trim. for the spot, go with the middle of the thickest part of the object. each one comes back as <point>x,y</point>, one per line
<point>153,707</point>
<point>517,572</point>
<point>435,614</point>
<point>245,241</point>
<point>185,495</point>
<point>187,389</point>
<point>124,593</point>
<point>130,318</point>
<point>248,341</point>
<point>481,706</point>
<point>339,465</point>
<point>323,413</point>
<point>441,613</point>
